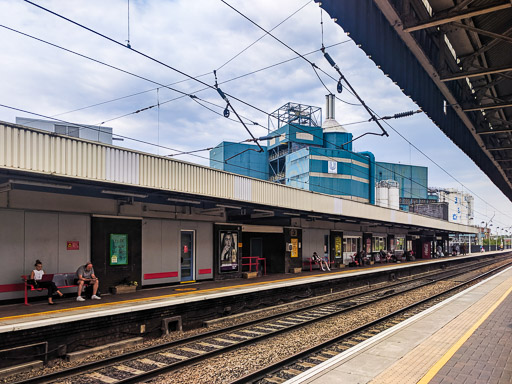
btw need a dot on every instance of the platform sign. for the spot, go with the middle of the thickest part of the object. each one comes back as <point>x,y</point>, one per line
<point>72,245</point>
<point>118,249</point>
<point>228,251</point>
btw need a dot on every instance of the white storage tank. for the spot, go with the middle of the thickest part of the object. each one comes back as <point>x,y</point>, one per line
<point>381,194</point>
<point>393,194</point>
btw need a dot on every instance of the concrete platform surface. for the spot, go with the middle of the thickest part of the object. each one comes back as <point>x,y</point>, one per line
<point>14,317</point>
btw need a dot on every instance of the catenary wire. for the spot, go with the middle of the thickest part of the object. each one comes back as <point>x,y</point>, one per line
<point>168,66</point>
<point>347,196</point>
<point>254,42</point>
<point>437,164</point>
<point>145,55</point>
<point>192,96</point>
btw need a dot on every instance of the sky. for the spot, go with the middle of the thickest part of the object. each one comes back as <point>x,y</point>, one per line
<point>196,38</point>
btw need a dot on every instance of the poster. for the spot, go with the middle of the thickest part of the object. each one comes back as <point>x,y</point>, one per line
<point>118,249</point>
<point>337,247</point>
<point>228,251</point>
<point>295,248</point>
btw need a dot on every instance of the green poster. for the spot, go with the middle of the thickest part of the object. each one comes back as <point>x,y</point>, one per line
<point>118,249</point>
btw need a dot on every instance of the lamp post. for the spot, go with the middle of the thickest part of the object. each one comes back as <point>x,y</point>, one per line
<point>488,225</point>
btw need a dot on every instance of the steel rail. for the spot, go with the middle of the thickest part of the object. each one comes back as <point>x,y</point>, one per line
<point>88,367</point>
<point>277,366</point>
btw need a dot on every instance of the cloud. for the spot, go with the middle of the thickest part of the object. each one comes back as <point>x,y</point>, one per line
<point>197,37</point>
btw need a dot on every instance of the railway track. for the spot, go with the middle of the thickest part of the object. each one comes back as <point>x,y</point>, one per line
<point>142,365</point>
<point>280,372</point>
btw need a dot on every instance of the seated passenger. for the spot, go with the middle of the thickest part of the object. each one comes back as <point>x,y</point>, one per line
<point>317,259</point>
<point>85,276</point>
<point>361,257</point>
<point>35,280</point>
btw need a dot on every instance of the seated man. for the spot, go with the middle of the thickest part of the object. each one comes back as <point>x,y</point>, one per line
<point>85,275</point>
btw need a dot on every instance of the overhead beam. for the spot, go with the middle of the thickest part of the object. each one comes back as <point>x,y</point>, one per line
<point>489,106</point>
<point>504,122</point>
<point>481,72</point>
<point>485,47</point>
<point>461,5</point>
<point>493,131</point>
<point>499,149</point>
<point>484,32</point>
<point>450,17</point>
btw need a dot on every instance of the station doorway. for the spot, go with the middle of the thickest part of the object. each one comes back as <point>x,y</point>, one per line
<point>116,251</point>
<point>263,242</point>
<point>187,256</point>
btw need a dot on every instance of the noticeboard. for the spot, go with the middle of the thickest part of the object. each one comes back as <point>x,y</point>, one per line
<point>118,249</point>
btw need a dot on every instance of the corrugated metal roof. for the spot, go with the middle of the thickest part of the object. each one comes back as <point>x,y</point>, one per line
<point>413,47</point>
<point>42,153</point>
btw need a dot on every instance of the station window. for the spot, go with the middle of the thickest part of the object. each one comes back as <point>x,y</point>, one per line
<point>349,248</point>
<point>400,243</point>
<point>379,243</point>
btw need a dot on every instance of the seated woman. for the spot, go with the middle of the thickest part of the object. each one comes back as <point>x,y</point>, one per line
<point>35,279</point>
<point>320,261</point>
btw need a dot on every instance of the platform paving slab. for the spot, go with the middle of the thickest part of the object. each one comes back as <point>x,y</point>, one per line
<point>487,354</point>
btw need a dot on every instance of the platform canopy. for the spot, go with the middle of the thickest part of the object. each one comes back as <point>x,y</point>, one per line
<point>454,59</point>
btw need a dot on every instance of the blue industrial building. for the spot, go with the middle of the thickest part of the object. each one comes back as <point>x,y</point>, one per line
<point>239,158</point>
<point>303,153</point>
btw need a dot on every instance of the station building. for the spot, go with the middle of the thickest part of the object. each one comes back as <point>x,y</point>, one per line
<point>155,220</point>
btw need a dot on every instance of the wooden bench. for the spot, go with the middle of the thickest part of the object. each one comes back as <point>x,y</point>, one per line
<point>309,262</point>
<point>61,280</point>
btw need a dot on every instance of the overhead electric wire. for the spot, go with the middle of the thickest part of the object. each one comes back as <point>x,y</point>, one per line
<point>121,136</point>
<point>185,74</point>
<point>141,77</point>
<point>192,96</point>
<point>203,89</point>
<point>192,153</point>
<point>438,165</point>
<point>254,42</point>
<point>145,55</point>
<point>313,65</point>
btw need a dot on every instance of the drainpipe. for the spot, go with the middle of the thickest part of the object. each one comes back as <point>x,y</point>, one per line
<point>371,175</point>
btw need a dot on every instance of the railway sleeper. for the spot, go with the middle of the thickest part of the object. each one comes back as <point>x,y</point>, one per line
<point>274,380</point>
<point>291,372</point>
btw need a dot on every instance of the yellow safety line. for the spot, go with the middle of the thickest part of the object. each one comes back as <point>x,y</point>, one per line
<point>181,294</point>
<point>447,356</point>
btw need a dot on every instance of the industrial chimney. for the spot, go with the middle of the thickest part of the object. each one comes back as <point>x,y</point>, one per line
<point>330,125</point>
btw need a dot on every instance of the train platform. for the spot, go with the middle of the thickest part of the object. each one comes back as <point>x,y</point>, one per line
<point>16,317</point>
<point>465,339</point>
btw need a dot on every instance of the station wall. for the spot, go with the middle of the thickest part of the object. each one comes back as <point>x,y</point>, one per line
<point>28,236</point>
<point>161,250</point>
<point>313,241</point>
<point>41,231</point>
